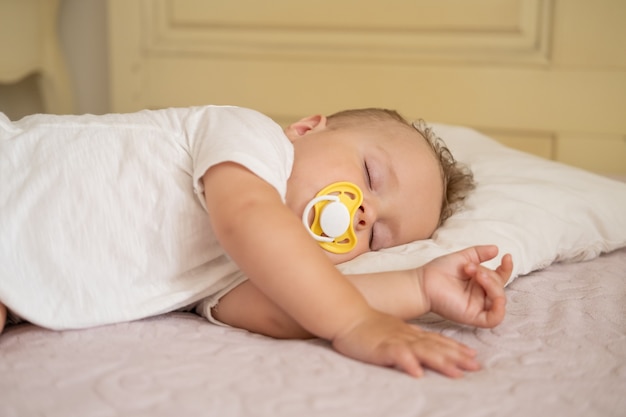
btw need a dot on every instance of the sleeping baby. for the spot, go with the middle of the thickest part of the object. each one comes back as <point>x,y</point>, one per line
<point>218,210</point>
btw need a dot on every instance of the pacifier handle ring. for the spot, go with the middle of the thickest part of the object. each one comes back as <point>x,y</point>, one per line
<point>307,209</point>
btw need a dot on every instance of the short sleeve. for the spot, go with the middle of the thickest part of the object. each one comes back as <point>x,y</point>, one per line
<point>219,134</point>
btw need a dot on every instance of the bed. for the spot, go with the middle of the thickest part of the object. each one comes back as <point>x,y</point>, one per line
<point>561,349</point>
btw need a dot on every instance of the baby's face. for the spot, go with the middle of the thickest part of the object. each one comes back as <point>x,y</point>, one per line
<point>393,166</point>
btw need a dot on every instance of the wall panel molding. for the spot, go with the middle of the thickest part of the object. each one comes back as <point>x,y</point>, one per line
<point>480,31</point>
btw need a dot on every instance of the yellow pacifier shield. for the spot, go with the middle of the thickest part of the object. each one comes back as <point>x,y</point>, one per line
<point>335,207</point>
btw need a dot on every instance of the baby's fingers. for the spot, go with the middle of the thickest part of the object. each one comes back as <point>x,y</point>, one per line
<point>505,269</point>
<point>447,356</point>
<point>484,252</point>
<point>436,352</point>
<point>404,360</point>
<point>494,303</point>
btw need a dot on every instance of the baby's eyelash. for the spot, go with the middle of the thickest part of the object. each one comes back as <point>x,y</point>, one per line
<point>369,183</point>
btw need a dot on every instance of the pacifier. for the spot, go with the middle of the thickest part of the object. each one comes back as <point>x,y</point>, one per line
<point>335,207</point>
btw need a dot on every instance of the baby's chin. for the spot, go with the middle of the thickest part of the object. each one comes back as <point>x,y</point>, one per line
<point>337,259</point>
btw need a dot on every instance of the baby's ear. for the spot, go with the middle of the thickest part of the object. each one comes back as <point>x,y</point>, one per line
<point>307,125</point>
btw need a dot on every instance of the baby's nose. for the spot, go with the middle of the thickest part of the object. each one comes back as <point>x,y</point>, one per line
<point>364,217</point>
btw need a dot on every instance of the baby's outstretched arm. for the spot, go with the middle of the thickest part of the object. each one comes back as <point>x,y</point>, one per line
<point>397,293</point>
<point>272,248</point>
<point>454,286</point>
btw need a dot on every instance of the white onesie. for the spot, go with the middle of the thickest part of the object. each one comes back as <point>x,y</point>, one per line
<point>103,219</point>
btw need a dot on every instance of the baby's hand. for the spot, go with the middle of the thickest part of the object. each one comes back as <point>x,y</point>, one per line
<point>460,289</point>
<point>384,340</point>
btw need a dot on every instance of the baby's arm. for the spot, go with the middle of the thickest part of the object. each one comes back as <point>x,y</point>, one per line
<point>454,286</point>
<point>397,293</point>
<point>272,248</point>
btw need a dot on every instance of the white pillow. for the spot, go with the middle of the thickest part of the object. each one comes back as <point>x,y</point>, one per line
<point>537,210</point>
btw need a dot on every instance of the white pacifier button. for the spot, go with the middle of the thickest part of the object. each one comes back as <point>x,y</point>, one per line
<point>335,219</point>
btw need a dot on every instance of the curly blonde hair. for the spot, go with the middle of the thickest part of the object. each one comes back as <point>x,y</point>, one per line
<point>458,179</point>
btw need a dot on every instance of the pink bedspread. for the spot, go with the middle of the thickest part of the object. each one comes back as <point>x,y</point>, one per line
<point>561,351</point>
